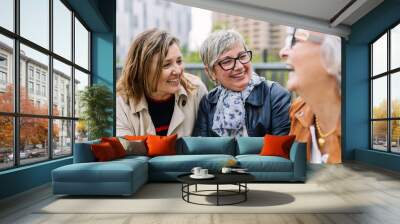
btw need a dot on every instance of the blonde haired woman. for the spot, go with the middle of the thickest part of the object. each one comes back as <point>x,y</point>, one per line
<point>154,95</point>
<point>315,59</point>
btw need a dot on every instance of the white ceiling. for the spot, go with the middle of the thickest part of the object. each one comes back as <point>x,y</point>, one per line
<point>317,15</point>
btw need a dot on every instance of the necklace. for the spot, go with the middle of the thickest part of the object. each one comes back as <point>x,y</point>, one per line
<point>322,136</point>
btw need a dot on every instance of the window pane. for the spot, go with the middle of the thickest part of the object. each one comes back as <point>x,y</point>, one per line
<point>6,74</point>
<point>81,81</point>
<point>395,94</point>
<point>33,139</point>
<point>395,136</point>
<point>62,29</point>
<point>6,142</point>
<point>81,45</point>
<point>81,131</point>
<point>379,55</point>
<point>395,47</point>
<point>62,89</point>
<point>34,72</point>
<point>379,135</point>
<point>379,97</point>
<point>35,21</point>
<point>62,138</point>
<point>7,14</point>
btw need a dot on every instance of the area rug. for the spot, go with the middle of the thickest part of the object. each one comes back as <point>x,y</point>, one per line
<point>167,198</point>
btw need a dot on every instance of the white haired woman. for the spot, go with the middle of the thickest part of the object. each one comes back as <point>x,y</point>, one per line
<point>315,60</point>
<point>243,103</point>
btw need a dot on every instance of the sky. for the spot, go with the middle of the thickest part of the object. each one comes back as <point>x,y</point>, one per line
<point>201,27</point>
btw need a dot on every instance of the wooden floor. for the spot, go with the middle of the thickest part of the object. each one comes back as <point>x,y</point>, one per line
<point>379,189</point>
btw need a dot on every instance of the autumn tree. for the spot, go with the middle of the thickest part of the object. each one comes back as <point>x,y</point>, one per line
<point>33,130</point>
<point>380,127</point>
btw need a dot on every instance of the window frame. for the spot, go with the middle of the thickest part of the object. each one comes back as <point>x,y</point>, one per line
<point>16,115</point>
<point>388,74</point>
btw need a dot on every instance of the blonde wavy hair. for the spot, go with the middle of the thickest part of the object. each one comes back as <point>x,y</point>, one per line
<point>138,78</point>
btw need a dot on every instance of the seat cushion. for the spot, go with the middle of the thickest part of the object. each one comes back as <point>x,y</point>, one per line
<point>111,171</point>
<point>185,163</point>
<point>257,163</point>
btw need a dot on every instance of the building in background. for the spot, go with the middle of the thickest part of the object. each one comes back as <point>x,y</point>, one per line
<point>34,81</point>
<point>262,37</point>
<point>135,16</point>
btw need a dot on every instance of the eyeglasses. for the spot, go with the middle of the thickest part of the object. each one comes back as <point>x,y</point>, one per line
<point>230,63</point>
<point>304,35</point>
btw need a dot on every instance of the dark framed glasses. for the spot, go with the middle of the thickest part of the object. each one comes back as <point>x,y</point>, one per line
<point>230,63</point>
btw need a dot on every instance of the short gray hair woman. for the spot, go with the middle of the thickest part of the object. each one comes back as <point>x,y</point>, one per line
<point>243,103</point>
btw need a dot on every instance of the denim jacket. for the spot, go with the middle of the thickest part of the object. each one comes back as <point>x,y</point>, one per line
<point>267,111</point>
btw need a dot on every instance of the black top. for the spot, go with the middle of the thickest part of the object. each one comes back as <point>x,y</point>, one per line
<point>220,178</point>
<point>161,113</point>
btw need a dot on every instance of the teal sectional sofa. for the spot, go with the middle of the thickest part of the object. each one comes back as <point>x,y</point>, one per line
<point>125,176</point>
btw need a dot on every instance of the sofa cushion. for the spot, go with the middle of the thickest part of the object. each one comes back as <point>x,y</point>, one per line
<point>257,163</point>
<point>116,145</point>
<point>134,147</point>
<point>103,152</point>
<point>185,163</point>
<point>161,145</point>
<point>249,145</point>
<point>97,172</point>
<point>206,145</point>
<point>277,145</point>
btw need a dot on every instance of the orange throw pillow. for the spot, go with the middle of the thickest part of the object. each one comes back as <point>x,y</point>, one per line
<point>116,145</point>
<point>276,145</point>
<point>161,145</point>
<point>135,138</point>
<point>103,151</point>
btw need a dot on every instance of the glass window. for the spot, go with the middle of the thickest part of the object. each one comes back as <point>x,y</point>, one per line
<point>34,78</point>
<point>395,47</point>
<point>6,74</point>
<point>62,138</point>
<point>62,72</point>
<point>81,81</point>
<point>40,62</point>
<point>30,88</point>
<point>395,95</point>
<point>81,131</point>
<point>34,21</point>
<point>379,98</point>
<point>385,125</point>
<point>81,45</point>
<point>62,29</point>
<point>7,14</point>
<point>379,135</point>
<point>379,56</point>
<point>395,136</point>
<point>33,139</point>
<point>6,142</point>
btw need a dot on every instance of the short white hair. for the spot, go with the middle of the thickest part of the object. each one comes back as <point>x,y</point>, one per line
<point>216,44</point>
<point>331,56</point>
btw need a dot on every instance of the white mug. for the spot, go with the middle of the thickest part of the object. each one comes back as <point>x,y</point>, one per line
<point>203,172</point>
<point>196,170</point>
<point>226,170</point>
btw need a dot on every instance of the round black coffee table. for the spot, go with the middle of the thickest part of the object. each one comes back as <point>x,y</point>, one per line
<point>238,179</point>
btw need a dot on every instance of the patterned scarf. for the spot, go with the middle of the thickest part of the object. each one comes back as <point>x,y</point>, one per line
<point>229,117</point>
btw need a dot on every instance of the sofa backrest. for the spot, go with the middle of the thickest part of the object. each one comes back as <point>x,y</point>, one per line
<point>206,145</point>
<point>249,145</point>
<point>83,152</point>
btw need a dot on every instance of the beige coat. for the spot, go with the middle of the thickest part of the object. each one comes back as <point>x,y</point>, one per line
<point>134,118</point>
